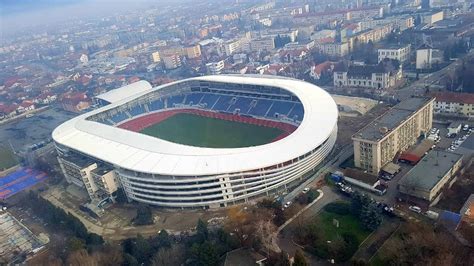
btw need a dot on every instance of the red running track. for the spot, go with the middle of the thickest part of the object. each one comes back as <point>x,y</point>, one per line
<point>140,123</point>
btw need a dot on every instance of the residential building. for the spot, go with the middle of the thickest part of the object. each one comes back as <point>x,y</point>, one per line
<point>215,68</point>
<point>319,70</point>
<point>397,52</point>
<point>192,52</point>
<point>434,172</point>
<point>156,57</point>
<point>426,57</point>
<point>381,76</point>
<point>263,44</point>
<point>98,180</point>
<point>431,18</point>
<point>334,49</point>
<point>171,61</point>
<point>376,144</point>
<point>237,45</point>
<point>75,102</point>
<point>455,104</point>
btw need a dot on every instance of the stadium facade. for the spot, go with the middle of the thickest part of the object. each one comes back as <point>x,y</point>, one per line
<point>96,153</point>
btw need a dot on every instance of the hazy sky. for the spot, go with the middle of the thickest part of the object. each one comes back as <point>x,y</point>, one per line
<point>16,14</point>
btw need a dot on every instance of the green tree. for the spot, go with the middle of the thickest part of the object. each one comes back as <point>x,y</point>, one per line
<point>370,217</point>
<point>144,215</point>
<point>299,259</point>
<point>205,254</point>
<point>162,240</point>
<point>75,244</point>
<point>202,233</point>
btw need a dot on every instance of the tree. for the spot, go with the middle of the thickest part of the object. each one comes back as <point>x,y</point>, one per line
<point>202,233</point>
<point>81,257</point>
<point>278,259</point>
<point>75,244</point>
<point>205,254</point>
<point>299,259</point>
<point>162,240</point>
<point>169,256</point>
<point>144,215</point>
<point>120,196</point>
<point>370,217</point>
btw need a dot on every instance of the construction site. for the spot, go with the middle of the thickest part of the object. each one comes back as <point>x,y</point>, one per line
<point>17,242</point>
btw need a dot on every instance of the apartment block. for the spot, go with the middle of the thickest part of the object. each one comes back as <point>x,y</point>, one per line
<point>399,52</point>
<point>454,104</point>
<point>376,144</point>
<point>98,180</point>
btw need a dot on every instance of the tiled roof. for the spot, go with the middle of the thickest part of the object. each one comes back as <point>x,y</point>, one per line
<point>454,97</point>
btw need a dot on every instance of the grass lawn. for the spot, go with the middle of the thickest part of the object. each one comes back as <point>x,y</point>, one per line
<point>194,130</point>
<point>7,158</point>
<point>347,224</point>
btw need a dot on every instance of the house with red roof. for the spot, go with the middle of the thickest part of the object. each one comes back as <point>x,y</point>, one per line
<point>326,67</point>
<point>26,106</point>
<point>75,101</point>
<point>454,104</point>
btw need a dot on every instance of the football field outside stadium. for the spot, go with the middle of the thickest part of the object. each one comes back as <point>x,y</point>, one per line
<point>199,131</point>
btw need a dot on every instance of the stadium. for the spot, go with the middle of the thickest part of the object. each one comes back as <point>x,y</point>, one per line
<point>202,142</point>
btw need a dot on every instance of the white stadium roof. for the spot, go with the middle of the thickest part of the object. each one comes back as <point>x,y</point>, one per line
<point>143,153</point>
<point>125,92</point>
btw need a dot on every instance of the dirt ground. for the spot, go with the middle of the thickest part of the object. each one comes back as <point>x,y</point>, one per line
<point>116,223</point>
<point>347,126</point>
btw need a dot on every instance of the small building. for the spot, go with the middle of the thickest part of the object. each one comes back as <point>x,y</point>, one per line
<point>427,57</point>
<point>454,127</point>
<point>467,150</point>
<point>397,52</point>
<point>427,179</point>
<point>363,180</point>
<point>381,76</point>
<point>414,155</point>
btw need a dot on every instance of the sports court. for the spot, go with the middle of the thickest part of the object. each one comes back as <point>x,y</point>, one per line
<point>19,180</point>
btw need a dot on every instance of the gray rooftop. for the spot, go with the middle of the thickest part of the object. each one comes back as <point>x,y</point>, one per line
<point>429,171</point>
<point>385,123</point>
<point>468,143</point>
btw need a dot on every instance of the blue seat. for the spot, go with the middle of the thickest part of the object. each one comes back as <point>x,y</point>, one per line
<point>156,105</point>
<point>261,107</point>
<point>209,100</point>
<point>243,104</point>
<point>280,107</point>
<point>297,113</point>
<point>119,117</point>
<point>223,103</point>
<point>193,98</point>
<point>137,110</point>
<point>178,99</point>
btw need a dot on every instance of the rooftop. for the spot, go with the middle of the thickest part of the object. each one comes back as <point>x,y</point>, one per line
<point>454,97</point>
<point>429,171</point>
<point>385,123</point>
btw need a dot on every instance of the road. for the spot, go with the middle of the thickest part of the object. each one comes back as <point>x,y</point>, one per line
<point>284,239</point>
<point>431,80</point>
<point>329,166</point>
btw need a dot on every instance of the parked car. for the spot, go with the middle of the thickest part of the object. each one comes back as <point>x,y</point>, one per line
<point>306,189</point>
<point>287,204</point>
<point>415,209</point>
<point>466,127</point>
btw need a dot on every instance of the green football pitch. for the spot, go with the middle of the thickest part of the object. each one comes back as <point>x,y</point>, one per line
<point>199,131</point>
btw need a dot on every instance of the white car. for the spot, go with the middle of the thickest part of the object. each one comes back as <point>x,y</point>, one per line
<point>287,204</point>
<point>306,189</point>
<point>415,209</point>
